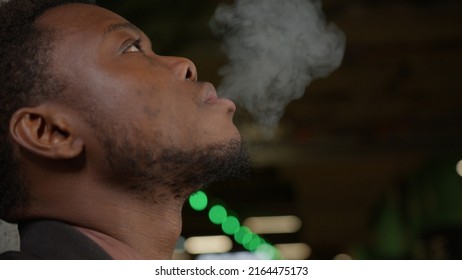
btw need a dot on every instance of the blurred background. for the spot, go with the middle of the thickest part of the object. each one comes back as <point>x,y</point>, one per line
<point>364,165</point>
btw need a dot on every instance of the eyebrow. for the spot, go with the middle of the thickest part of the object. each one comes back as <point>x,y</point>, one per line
<point>119,26</point>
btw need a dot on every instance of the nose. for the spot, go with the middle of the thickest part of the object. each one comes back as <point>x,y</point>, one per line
<point>182,67</point>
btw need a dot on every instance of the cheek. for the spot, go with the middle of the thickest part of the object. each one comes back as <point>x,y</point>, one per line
<point>166,124</point>
<point>151,112</point>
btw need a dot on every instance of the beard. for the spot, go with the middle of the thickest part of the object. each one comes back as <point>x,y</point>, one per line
<point>148,172</point>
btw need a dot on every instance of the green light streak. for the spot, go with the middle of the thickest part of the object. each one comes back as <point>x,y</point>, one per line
<point>231,226</point>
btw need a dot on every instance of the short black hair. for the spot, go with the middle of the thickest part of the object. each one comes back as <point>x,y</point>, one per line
<point>25,78</point>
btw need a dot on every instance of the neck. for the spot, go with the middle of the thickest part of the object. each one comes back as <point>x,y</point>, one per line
<point>125,227</point>
<point>138,231</point>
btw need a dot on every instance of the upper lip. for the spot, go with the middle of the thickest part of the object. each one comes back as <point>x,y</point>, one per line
<point>210,93</point>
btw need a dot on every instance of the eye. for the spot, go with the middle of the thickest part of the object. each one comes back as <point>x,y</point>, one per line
<point>134,47</point>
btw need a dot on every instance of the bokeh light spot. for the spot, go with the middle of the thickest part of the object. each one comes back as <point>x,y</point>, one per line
<point>217,214</point>
<point>241,233</point>
<point>198,201</point>
<point>230,225</point>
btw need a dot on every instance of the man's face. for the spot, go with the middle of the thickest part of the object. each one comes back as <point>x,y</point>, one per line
<point>132,95</point>
<point>112,65</point>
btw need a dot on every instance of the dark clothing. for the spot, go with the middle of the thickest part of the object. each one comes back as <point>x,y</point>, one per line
<point>52,240</point>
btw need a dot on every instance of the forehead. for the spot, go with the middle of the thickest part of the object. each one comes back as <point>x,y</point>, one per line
<point>78,18</point>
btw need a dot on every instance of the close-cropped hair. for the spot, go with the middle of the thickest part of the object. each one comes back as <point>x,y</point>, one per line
<point>25,79</point>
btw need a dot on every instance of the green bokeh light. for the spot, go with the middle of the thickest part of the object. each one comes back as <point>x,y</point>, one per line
<point>241,233</point>
<point>217,214</point>
<point>246,240</point>
<point>230,225</point>
<point>254,243</point>
<point>198,201</point>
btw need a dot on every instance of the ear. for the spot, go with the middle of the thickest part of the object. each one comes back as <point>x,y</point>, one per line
<point>44,131</point>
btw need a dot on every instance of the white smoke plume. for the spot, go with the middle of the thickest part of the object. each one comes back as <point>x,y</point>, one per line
<point>275,49</point>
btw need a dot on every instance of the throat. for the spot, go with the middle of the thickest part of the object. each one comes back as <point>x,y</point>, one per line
<point>136,229</point>
<point>149,240</point>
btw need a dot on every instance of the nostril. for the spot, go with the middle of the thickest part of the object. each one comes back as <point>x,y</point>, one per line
<point>191,72</point>
<point>182,67</point>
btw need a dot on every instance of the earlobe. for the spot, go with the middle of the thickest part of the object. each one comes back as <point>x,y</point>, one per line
<point>43,132</point>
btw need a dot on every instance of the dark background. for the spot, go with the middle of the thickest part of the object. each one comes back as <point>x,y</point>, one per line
<point>367,157</point>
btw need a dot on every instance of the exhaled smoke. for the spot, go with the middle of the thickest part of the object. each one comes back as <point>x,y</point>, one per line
<point>275,49</point>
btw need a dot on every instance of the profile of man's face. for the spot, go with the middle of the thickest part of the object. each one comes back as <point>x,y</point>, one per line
<point>145,118</point>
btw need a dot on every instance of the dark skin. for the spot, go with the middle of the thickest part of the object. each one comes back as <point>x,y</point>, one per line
<point>131,89</point>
